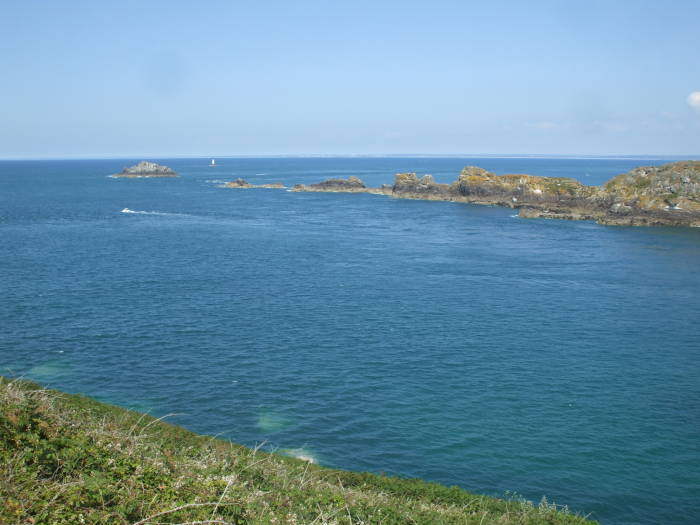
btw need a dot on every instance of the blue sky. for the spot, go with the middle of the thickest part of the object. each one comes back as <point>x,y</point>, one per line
<point>95,79</point>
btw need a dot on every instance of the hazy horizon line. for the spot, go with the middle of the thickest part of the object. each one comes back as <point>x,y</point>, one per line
<point>359,155</point>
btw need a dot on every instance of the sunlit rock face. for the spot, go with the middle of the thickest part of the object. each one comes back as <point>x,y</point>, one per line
<point>146,169</point>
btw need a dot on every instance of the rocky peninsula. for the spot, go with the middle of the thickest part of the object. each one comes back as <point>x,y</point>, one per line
<point>349,185</point>
<point>145,169</point>
<point>667,195</point>
<point>242,183</point>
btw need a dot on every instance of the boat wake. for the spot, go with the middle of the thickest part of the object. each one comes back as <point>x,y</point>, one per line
<point>139,212</point>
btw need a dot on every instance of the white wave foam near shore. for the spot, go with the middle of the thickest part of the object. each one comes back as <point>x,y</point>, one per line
<point>300,453</point>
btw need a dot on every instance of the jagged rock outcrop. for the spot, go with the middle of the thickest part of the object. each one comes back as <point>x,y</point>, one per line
<point>409,186</point>
<point>146,169</point>
<point>646,196</point>
<point>476,185</point>
<point>516,189</point>
<point>242,183</point>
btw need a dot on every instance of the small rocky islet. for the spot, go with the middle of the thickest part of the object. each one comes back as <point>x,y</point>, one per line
<point>667,195</point>
<point>244,184</point>
<point>146,169</point>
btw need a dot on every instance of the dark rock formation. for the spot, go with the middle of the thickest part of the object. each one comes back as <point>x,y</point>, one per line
<point>242,183</point>
<point>351,184</point>
<point>409,186</point>
<point>146,169</point>
<point>238,183</point>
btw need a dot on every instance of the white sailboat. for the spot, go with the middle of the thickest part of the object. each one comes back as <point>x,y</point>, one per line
<point>213,163</point>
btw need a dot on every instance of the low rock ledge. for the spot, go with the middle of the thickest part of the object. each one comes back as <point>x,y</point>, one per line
<point>244,184</point>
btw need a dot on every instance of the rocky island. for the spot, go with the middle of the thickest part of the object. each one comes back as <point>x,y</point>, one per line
<point>146,169</point>
<point>242,183</point>
<point>667,195</point>
<point>350,185</point>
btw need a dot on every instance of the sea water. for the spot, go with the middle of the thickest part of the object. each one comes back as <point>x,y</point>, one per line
<point>451,342</point>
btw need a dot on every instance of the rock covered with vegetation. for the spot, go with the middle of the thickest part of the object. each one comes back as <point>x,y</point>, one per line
<point>485,186</point>
<point>663,195</point>
<point>146,169</point>
<point>667,195</point>
<point>67,459</point>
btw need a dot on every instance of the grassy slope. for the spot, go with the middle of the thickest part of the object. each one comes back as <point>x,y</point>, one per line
<point>69,459</point>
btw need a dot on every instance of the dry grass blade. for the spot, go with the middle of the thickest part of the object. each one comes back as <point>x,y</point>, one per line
<point>182,507</point>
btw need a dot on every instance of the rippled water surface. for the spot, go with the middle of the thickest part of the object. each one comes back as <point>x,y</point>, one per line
<point>445,341</point>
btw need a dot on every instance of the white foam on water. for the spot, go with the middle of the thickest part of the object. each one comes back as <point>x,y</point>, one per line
<point>300,453</point>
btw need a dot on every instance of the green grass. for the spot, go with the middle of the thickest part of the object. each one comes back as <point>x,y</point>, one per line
<point>67,459</point>
<point>562,186</point>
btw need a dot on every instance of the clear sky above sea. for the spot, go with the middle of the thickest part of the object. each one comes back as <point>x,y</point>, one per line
<point>166,78</point>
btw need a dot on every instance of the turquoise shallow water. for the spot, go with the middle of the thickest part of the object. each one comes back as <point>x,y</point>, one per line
<point>445,341</point>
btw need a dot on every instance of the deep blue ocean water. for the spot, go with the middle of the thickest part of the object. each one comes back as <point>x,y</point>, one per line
<point>451,342</point>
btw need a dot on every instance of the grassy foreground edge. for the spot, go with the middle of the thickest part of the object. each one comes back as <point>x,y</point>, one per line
<point>70,459</point>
